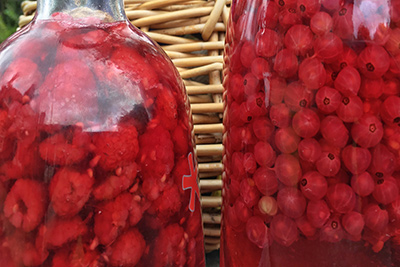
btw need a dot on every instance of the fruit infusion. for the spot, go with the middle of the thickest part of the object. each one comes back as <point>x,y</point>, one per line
<point>312,134</point>
<point>96,139</point>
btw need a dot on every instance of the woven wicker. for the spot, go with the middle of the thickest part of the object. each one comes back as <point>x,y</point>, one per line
<point>192,33</point>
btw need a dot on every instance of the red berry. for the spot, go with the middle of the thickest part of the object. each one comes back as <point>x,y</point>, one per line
<point>288,17</point>
<point>308,8</point>
<point>297,96</point>
<point>277,87</point>
<point>333,130</point>
<point>321,23</point>
<point>353,223</point>
<point>257,232</point>
<point>348,81</point>
<point>367,131</point>
<point>362,184</point>
<point>394,210</point>
<point>242,211</point>
<point>306,123</point>
<point>236,87</point>
<point>267,15</point>
<point>343,20</point>
<point>247,54</point>
<point>390,110</point>
<point>299,39</point>
<point>286,63</point>
<point>393,43</point>
<point>263,128</point>
<point>373,61</point>
<point>328,164</point>
<point>267,43</point>
<point>284,230</point>
<point>386,190</point>
<point>309,150</point>
<point>60,231</point>
<point>266,181</point>
<point>237,164</point>
<point>280,115</point>
<point>356,159</point>
<point>341,198</point>
<point>249,163</point>
<point>287,169</point>
<point>383,161</point>
<point>267,205</point>
<point>286,140</point>
<point>291,202</point>
<point>305,227</point>
<point>332,5</point>
<point>312,73</point>
<point>328,47</point>
<point>264,154</point>
<point>128,249</point>
<point>318,213</point>
<point>327,99</point>
<point>332,231</point>
<point>251,84</point>
<point>313,185</point>
<point>347,58</point>
<point>371,88</point>
<point>375,217</point>
<point>249,192</point>
<point>260,67</point>
<point>350,109</point>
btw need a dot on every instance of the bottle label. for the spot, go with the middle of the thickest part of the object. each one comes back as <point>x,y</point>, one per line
<point>190,182</point>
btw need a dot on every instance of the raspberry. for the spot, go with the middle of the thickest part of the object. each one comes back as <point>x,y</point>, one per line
<point>169,203</point>
<point>22,75</point>
<point>117,149</point>
<point>25,204</point>
<point>170,247</point>
<point>166,109</point>
<point>128,249</point>
<point>58,232</point>
<point>69,190</point>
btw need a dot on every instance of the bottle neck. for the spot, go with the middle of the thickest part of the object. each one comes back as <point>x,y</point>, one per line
<point>112,9</point>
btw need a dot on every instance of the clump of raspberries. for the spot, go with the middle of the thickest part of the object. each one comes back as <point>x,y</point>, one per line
<point>91,152</point>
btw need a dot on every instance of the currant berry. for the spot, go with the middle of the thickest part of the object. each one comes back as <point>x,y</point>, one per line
<point>299,39</point>
<point>373,61</point>
<point>268,206</point>
<point>308,8</point>
<point>318,213</point>
<point>256,104</point>
<point>386,190</point>
<point>243,213</point>
<point>286,140</point>
<point>249,192</point>
<point>231,217</point>
<point>288,16</point>
<point>277,88</point>
<point>287,169</point>
<point>312,73</point>
<point>383,161</point>
<point>260,68</point>
<point>343,21</point>
<point>291,202</point>
<point>237,164</point>
<point>356,159</point>
<point>327,99</point>
<point>332,231</point>
<point>250,84</point>
<point>267,43</point>
<point>249,163</point>
<point>264,154</point>
<point>393,43</point>
<point>305,227</point>
<point>348,81</point>
<point>321,23</point>
<point>353,223</point>
<point>328,47</point>
<point>328,164</point>
<point>257,232</point>
<point>347,58</point>
<point>286,63</point>
<point>306,123</point>
<point>332,5</point>
<point>263,128</point>
<point>362,184</point>
<point>266,181</point>
<point>280,115</point>
<point>313,185</point>
<point>247,53</point>
<point>350,109</point>
<point>333,129</point>
<point>390,110</point>
<point>371,88</point>
<point>376,217</point>
<point>367,131</point>
<point>394,210</point>
<point>268,15</point>
<point>297,96</point>
<point>391,87</point>
<point>236,87</point>
<point>284,230</point>
<point>341,198</point>
<point>309,150</point>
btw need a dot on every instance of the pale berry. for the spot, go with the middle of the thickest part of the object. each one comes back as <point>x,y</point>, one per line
<point>267,205</point>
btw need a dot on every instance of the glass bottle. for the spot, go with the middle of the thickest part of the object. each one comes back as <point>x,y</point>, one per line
<point>312,154</point>
<point>97,166</point>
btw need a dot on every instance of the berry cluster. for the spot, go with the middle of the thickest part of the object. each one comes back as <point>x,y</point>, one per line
<point>312,119</point>
<point>94,142</point>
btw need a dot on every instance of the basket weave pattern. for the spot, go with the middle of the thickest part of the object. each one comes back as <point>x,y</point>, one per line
<point>192,34</point>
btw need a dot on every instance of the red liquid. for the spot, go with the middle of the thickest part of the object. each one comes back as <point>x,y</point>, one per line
<point>326,145</point>
<point>95,143</point>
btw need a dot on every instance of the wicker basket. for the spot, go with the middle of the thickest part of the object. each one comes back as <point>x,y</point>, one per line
<point>192,33</point>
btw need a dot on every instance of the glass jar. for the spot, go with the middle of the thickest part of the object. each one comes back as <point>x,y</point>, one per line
<point>97,166</point>
<point>312,134</point>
